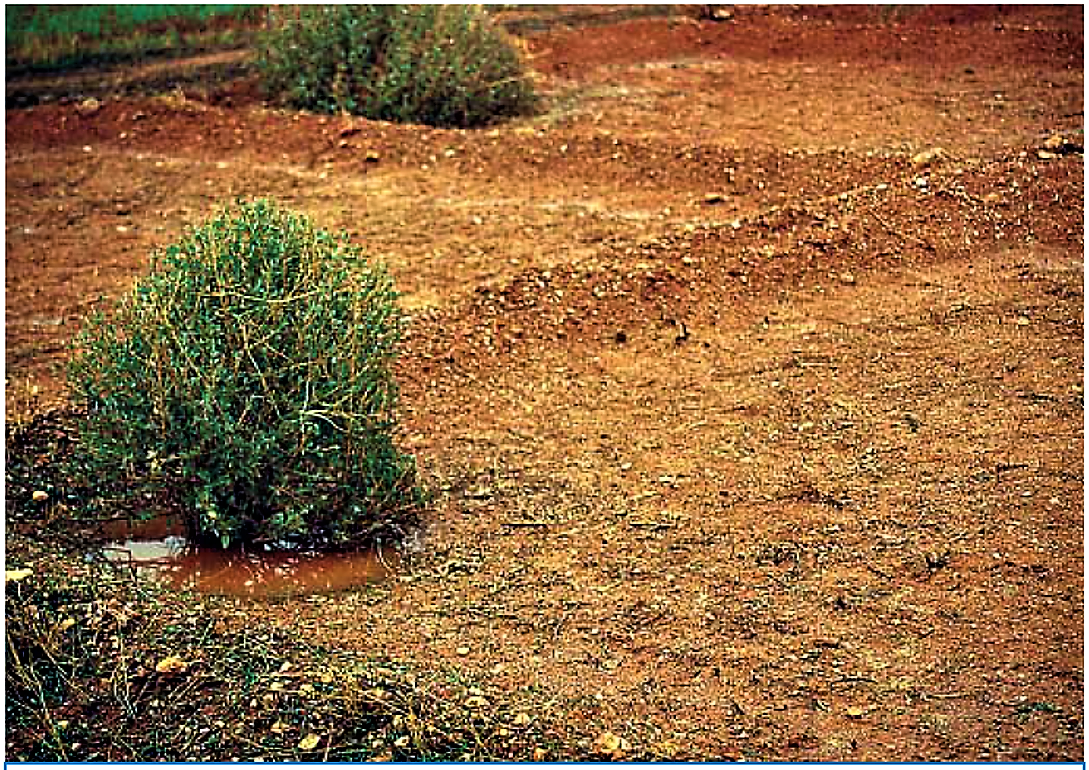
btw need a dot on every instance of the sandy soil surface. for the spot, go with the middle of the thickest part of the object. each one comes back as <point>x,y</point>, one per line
<point>748,376</point>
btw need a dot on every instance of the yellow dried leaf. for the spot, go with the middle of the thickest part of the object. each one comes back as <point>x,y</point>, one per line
<point>310,742</point>
<point>1054,142</point>
<point>609,743</point>
<point>666,749</point>
<point>171,664</point>
<point>15,575</point>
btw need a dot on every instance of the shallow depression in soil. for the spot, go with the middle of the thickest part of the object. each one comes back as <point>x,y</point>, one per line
<point>157,550</point>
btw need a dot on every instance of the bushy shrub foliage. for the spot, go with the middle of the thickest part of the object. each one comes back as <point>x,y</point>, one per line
<point>249,376</point>
<point>442,65</point>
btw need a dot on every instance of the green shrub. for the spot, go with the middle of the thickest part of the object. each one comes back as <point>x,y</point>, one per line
<point>248,376</point>
<point>443,65</point>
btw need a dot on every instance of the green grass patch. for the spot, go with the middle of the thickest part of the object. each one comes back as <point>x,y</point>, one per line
<point>52,37</point>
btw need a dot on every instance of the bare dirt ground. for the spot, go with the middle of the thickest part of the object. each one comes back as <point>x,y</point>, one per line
<point>748,376</point>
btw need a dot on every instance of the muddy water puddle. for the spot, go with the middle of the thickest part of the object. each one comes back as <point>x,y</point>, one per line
<point>157,549</point>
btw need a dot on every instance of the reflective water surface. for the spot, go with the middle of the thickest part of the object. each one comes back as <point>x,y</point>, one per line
<point>157,549</point>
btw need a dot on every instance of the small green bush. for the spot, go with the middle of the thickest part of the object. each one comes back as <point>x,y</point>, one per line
<point>249,377</point>
<point>442,65</point>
